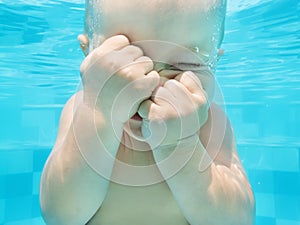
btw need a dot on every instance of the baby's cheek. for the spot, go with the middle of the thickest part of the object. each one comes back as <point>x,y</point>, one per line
<point>208,83</point>
<point>211,90</point>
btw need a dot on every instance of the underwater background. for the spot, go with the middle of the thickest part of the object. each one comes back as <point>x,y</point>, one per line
<point>259,76</point>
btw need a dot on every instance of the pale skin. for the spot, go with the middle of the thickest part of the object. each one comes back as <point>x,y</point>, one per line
<point>75,193</point>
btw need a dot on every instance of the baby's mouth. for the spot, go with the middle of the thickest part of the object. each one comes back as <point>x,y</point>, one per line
<point>137,117</point>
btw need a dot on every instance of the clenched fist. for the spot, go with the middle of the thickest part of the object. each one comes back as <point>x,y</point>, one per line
<point>117,77</point>
<point>177,110</point>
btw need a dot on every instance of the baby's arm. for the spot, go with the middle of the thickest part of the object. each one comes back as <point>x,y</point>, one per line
<point>221,193</point>
<point>208,190</point>
<point>71,191</point>
<point>72,184</point>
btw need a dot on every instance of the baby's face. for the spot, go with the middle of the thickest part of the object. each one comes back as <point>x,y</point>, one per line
<point>173,26</point>
<point>168,31</point>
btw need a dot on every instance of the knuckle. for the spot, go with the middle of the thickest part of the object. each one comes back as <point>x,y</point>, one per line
<point>117,39</point>
<point>126,71</point>
<point>201,100</point>
<point>121,39</point>
<point>170,83</point>
<point>190,76</point>
<point>112,64</point>
<point>116,42</point>
<point>145,59</point>
<point>132,49</point>
<point>147,66</point>
<point>141,88</point>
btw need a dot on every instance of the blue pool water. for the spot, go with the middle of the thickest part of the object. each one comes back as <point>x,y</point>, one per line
<point>259,75</point>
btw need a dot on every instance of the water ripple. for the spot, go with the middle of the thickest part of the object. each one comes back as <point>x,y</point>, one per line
<point>262,49</point>
<point>39,49</point>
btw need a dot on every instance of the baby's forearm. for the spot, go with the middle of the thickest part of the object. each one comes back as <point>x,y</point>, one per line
<point>72,188</point>
<point>205,194</point>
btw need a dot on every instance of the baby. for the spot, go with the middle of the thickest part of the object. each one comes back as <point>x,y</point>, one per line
<point>144,143</point>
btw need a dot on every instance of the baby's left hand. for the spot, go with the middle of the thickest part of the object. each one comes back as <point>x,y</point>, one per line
<point>177,110</point>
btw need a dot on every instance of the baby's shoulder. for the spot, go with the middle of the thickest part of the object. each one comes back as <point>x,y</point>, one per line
<point>66,116</point>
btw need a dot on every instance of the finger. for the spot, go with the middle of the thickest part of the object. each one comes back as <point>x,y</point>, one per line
<point>143,64</point>
<point>193,84</point>
<point>162,96</point>
<point>147,84</point>
<point>144,108</point>
<point>184,99</point>
<point>149,110</point>
<point>113,43</point>
<point>177,89</point>
<point>186,102</point>
<point>151,80</point>
<point>131,52</point>
<point>190,81</point>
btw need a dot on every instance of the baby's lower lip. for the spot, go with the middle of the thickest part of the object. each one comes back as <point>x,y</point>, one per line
<point>136,117</point>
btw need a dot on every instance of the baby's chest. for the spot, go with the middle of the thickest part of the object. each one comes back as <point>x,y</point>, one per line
<point>125,205</point>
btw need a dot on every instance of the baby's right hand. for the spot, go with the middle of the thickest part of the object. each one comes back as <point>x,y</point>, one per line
<point>117,78</point>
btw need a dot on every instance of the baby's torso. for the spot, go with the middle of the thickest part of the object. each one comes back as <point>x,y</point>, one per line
<point>154,204</point>
<point>138,205</point>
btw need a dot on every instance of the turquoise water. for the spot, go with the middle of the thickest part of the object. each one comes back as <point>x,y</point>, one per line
<point>259,75</point>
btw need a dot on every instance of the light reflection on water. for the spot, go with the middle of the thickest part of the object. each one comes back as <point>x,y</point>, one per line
<point>263,49</point>
<point>39,47</point>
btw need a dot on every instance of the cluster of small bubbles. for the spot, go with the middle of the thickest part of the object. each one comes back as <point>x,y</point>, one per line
<point>214,56</point>
<point>218,31</point>
<point>210,59</point>
<point>95,41</point>
<point>93,23</point>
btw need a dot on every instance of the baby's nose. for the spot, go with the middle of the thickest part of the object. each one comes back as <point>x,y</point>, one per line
<point>166,70</point>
